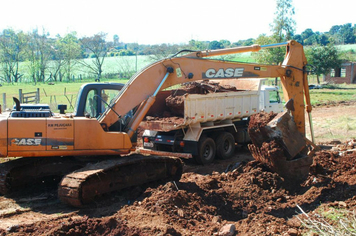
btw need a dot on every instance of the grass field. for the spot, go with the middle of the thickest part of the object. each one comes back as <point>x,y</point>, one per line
<point>59,93</point>
<point>112,66</point>
<point>333,93</point>
<point>347,47</point>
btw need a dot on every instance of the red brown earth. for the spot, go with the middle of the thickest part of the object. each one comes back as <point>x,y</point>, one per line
<point>237,191</point>
<point>169,105</point>
<point>175,101</point>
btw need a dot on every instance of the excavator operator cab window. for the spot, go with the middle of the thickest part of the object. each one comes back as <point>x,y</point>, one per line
<point>107,95</point>
<point>91,104</point>
<point>97,101</point>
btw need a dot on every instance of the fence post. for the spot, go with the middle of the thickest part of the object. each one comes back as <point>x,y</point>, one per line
<point>38,95</point>
<point>20,96</point>
<point>4,101</point>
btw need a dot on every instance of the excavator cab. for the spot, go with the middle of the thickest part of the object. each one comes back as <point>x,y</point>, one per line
<point>94,98</point>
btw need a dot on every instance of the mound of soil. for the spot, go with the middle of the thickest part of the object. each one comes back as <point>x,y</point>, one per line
<point>171,110</point>
<point>248,195</point>
<point>175,101</point>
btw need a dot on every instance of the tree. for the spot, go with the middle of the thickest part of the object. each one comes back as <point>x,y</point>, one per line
<point>98,48</point>
<point>126,67</point>
<point>298,38</point>
<point>163,51</point>
<point>225,43</point>
<point>323,59</point>
<point>343,34</point>
<point>308,37</point>
<point>39,54</point>
<point>12,47</point>
<point>323,39</point>
<point>335,29</point>
<point>198,45</point>
<point>283,26</point>
<point>215,45</point>
<point>347,34</point>
<point>267,56</point>
<point>116,40</point>
<point>67,51</point>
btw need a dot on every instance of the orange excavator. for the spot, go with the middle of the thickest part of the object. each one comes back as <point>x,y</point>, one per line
<point>89,149</point>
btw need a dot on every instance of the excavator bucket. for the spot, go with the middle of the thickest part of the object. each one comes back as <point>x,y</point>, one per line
<point>277,143</point>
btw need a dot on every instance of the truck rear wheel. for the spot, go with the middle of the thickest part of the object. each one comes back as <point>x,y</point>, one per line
<point>225,145</point>
<point>206,151</point>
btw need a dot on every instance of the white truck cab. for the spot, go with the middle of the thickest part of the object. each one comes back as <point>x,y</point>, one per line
<point>270,99</point>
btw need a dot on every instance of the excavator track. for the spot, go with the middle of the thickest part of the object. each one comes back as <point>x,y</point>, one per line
<point>84,185</point>
<point>22,171</point>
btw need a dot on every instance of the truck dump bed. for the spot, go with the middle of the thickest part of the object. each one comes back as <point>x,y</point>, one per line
<point>204,108</point>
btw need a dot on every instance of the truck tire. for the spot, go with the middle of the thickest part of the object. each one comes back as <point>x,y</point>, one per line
<point>225,145</point>
<point>206,151</point>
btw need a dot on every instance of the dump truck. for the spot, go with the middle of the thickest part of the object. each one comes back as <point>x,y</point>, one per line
<point>215,117</point>
<point>92,155</point>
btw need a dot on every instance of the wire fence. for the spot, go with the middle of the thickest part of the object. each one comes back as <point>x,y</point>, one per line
<point>40,96</point>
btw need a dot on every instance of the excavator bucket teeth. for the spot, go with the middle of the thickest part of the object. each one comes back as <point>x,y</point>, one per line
<point>277,143</point>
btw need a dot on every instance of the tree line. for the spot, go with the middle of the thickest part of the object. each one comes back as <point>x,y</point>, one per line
<point>58,56</point>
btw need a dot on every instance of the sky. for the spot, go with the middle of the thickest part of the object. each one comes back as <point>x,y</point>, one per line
<point>166,21</point>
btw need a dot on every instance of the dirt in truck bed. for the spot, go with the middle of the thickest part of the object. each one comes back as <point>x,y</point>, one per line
<point>238,192</point>
<point>175,101</point>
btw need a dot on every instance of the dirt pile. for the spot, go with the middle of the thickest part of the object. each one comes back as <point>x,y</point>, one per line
<point>248,195</point>
<point>169,105</point>
<point>175,101</point>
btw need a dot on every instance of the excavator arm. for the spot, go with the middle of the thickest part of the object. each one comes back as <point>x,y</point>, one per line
<point>142,88</point>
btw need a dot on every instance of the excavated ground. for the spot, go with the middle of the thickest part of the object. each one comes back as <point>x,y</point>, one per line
<point>237,191</point>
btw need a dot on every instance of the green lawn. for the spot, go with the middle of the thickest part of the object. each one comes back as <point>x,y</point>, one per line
<point>333,93</point>
<point>59,93</point>
<point>112,66</point>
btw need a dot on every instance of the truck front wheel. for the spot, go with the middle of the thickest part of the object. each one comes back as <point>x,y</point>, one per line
<point>225,145</point>
<point>206,151</point>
